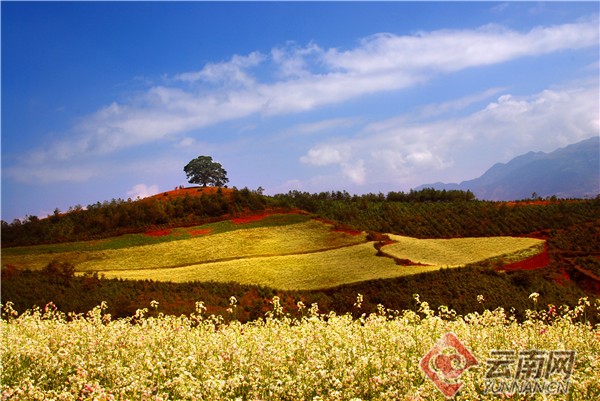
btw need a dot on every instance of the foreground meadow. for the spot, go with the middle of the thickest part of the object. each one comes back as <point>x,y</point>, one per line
<point>300,355</point>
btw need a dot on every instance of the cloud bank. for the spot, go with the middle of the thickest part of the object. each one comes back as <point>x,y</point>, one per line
<point>295,79</point>
<point>414,152</point>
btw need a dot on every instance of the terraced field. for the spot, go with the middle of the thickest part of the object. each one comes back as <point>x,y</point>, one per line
<point>305,271</point>
<point>187,245</point>
<point>306,237</point>
<point>287,251</point>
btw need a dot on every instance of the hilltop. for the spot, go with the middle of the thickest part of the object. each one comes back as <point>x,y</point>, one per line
<point>179,207</point>
<point>181,192</point>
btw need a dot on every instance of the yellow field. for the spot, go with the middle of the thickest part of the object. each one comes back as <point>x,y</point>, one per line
<point>297,238</point>
<point>301,255</point>
<point>461,251</point>
<point>265,241</point>
<point>289,272</point>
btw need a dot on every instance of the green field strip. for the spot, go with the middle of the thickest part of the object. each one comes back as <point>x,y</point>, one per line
<point>290,272</point>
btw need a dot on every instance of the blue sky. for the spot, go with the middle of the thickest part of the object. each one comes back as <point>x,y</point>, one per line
<point>109,100</point>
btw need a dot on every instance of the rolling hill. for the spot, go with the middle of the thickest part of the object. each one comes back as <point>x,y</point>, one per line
<point>280,251</point>
<point>569,172</point>
<point>322,248</point>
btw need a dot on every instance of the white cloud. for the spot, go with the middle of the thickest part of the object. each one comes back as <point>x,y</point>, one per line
<point>356,172</point>
<point>324,155</point>
<point>400,150</point>
<point>294,61</point>
<point>142,191</point>
<point>288,185</point>
<point>436,109</point>
<point>379,63</point>
<point>306,78</point>
<point>230,72</point>
<point>328,125</point>
<point>453,50</point>
<point>51,173</point>
<point>186,142</point>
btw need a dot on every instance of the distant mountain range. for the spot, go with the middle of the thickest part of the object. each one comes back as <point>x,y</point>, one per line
<point>569,172</point>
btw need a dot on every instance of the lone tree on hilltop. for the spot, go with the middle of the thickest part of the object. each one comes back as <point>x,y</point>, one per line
<point>202,170</point>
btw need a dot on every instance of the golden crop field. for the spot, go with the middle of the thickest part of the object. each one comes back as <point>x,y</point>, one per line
<point>461,251</point>
<point>298,253</point>
<point>289,272</point>
<point>264,241</point>
<point>296,238</point>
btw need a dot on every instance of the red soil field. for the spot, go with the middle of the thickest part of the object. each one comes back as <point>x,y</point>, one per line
<point>192,191</point>
<point>538,261</point>
<point>339,227</point>
<point>250,218</point>
<point>533,202</point>
<point>536,202</point>
<point>563,278</point>
<point>158,233</point>
<point>202,231</point>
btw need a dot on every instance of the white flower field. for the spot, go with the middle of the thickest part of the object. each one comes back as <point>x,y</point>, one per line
<point>287,355</point>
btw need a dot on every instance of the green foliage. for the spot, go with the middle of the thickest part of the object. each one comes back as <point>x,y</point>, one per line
<point>426,214</point>
<point>202,170</point>
<point>421,214</point>
<point>431,195</point>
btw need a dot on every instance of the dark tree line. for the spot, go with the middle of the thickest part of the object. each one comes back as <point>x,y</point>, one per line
<point>438,214</point>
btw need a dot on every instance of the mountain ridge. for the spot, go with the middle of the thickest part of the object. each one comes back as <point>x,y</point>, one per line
<point>569,172</point>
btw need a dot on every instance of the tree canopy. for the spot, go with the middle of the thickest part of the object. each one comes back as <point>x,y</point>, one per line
<point>204,171</point>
